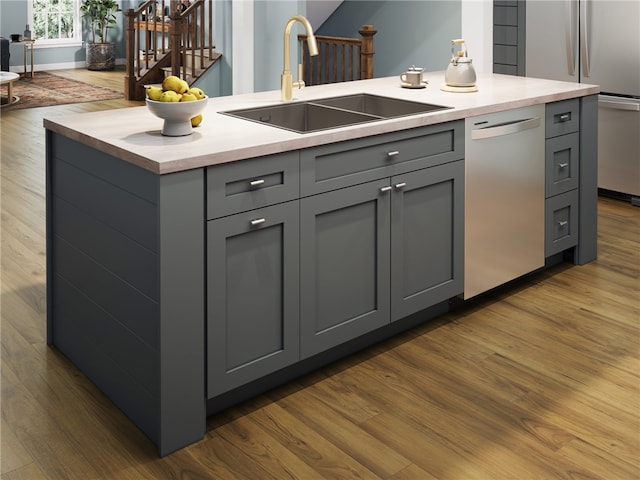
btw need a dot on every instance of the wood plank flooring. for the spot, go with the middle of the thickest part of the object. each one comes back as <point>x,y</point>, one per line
<point>536,381</point>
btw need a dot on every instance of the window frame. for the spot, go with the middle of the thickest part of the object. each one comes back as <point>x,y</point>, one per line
<point>59,42</point>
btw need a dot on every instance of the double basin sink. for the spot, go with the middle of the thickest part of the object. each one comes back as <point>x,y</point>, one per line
<point>327,113</point>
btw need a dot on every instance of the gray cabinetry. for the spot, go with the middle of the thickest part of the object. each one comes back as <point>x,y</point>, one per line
<point>125,285</point>
<point>379,251</point>
<point>508,36</point>
<point>427,241</point>
<point>258,182</point>
<point>252,295</point>
<point>344,265</point>
<point>343,164</point>
<point>562,175</point>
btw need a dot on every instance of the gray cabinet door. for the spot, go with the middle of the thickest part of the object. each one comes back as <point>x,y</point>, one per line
<point>426,238</point>
<point>252,295</point>
<point>344,265</point>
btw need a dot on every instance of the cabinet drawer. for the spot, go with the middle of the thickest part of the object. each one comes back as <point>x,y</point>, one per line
<point>343,164</point>
<point>562,163</point>
<point>255,183</point>
<point>561,218</point>
<point>562,117</point>
<point>505,14</point>
<point>507,54</point>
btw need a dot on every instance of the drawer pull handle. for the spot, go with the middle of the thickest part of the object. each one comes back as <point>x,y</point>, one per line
<point>564,117</point>
<point>385,189</point>
<point>401,185</point>
<point>394,153</point>
<point>563,165</point>
<point>255,183</point>
<point>257,221</point>
<point>562,223</point>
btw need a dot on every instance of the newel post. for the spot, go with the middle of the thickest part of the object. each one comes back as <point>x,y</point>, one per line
<point>175,41</point>
<point>129,76</point>
<point>366,56</point>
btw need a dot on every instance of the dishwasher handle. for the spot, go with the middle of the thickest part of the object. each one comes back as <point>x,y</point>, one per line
<point>609,102</point>
<point>506,128</point>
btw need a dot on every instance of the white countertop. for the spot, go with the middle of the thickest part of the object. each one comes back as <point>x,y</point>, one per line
<point>133,134</point>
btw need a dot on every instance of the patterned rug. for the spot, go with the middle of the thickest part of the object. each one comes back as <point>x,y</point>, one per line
<point>46,89</point>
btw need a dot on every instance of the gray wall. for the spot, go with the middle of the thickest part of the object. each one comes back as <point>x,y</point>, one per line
<point>409,32</point>
<point>270,18</point>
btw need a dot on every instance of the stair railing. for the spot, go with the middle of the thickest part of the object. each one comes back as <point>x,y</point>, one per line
<point>339,59</point>
<point>192,46</point>
<point>161,35</point>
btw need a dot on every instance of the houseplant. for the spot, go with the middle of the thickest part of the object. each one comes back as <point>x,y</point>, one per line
<point>101,54</point>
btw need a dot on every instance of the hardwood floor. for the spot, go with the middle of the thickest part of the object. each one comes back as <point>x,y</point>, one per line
<point>536,381</point>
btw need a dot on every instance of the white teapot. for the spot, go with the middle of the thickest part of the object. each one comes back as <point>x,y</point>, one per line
<point>460,71</point>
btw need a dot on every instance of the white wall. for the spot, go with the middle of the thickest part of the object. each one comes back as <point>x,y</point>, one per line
<point>477,30</point>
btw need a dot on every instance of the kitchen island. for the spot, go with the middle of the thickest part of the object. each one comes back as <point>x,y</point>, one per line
<point>188,273</point>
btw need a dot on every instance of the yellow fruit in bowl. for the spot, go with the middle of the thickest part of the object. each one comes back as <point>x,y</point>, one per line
<point>154,93</point>
<point>169,96</point>
<point>175,84</point>
<point>198,92</point>
<point>188,97</point>
<point>197,120</point>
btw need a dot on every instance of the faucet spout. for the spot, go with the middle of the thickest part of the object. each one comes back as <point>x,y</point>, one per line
<point>286,80</point>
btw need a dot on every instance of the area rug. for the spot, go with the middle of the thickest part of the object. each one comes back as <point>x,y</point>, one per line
<point>46,89</point>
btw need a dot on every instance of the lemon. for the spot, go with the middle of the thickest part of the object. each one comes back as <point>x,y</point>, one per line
<point>154,93</point>
<point>188,97</point>
<point>197,120</point>
<point>175,84</point>
<point>169,96</point>
<point>198,92</point>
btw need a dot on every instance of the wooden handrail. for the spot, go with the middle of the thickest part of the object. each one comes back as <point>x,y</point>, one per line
<point>340,59</point>
<point>175,39</point>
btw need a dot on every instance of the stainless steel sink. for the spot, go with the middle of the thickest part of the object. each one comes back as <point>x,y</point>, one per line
<point>302,117</point>
<point>384,107</point>
<point>327,113</point>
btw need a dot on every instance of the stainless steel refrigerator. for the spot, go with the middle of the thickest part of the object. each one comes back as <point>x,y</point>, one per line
<point>596,42</point>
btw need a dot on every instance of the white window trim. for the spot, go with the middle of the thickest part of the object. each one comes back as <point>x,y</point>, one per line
<point>59,42</point>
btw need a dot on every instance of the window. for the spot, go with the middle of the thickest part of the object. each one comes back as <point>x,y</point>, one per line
<point>55,22</point>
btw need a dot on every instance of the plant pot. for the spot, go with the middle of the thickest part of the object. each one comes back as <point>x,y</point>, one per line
<point>101,56</point>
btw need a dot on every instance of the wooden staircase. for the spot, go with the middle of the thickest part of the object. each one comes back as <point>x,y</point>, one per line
<point>162,38</point>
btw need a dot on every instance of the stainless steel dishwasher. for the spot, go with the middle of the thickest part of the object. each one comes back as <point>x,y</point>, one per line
<point>504,197</point>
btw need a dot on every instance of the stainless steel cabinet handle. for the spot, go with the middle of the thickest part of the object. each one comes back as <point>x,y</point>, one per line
<point>563,165</point>
<point>257,221</point>
<point>564,117</point>
<point>563,223</point>
<point>401,185</point>
<point>394,153</point>
<point>255,183</point>
<point>385,189</point>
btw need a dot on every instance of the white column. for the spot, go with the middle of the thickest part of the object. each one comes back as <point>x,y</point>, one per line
<point>477,30</point>
<point>242,49</point>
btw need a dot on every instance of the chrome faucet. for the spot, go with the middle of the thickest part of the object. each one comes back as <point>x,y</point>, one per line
<point>286,80</point>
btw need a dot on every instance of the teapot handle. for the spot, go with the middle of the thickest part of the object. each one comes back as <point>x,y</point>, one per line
<point>454,56</point>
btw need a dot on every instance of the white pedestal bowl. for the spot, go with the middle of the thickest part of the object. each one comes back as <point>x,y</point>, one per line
<point>177,115</point>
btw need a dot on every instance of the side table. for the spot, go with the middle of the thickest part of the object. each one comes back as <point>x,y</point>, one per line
<point>27,44</point>
<point>8,78</point>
